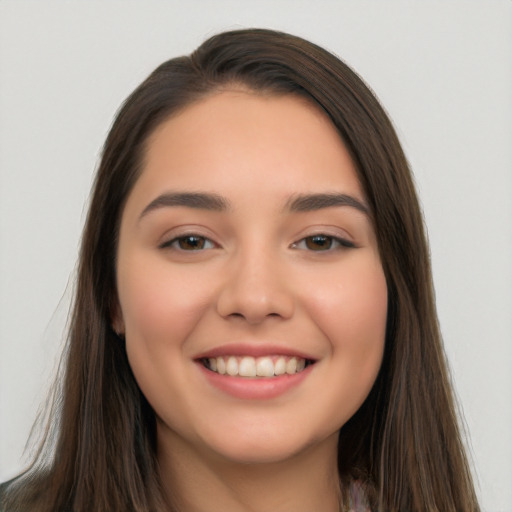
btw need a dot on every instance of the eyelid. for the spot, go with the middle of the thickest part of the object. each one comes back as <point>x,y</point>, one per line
<point>177,234</point>
<point>170,244</point>
<point>340,243</point>
<point>342,238</point>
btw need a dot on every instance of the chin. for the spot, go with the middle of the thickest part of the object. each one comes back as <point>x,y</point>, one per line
<point>259,455</point>
<point>270,448</point>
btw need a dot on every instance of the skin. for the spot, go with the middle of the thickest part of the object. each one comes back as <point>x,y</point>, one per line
<point>259,279</point>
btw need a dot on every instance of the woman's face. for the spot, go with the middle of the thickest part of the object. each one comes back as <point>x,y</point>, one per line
<point>251,292</point>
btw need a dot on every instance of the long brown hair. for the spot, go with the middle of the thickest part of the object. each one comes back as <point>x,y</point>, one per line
<point>403,444</point>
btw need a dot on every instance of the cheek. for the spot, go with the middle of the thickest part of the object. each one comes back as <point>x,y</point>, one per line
<point>161,308</point>
<point>158,303</point>
<point>352,312</point>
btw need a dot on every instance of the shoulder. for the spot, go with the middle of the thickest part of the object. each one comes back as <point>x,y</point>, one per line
<point>3,489</point>
<point>23,493</point>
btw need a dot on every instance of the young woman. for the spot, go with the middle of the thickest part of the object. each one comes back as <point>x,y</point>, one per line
<point>254,326</point>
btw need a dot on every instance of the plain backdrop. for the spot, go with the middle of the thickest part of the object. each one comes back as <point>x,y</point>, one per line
<point>443,70</point>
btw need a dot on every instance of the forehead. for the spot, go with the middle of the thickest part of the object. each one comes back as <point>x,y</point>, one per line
<point>240,139</point>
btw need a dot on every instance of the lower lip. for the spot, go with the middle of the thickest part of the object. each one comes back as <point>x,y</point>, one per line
<point>257,388</point>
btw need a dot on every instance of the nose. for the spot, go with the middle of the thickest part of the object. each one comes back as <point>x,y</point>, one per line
<point>256,288</point>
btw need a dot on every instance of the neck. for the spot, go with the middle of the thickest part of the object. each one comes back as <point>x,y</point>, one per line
<point>196,481</point>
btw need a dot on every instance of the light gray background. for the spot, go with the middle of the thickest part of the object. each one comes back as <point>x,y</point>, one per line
<point>442,69</point>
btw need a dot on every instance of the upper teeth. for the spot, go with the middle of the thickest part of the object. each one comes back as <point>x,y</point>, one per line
<point>247,366</point>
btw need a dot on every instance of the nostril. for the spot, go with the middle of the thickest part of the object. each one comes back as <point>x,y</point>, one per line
<point>241,315</point>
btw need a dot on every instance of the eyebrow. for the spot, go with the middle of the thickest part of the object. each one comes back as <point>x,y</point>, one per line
<point>197,200</point>
<point>313,202</point>
<point>214,202</point>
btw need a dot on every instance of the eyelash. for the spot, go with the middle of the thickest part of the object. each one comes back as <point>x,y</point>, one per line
<point>334,243</point>
<point>175,242</point>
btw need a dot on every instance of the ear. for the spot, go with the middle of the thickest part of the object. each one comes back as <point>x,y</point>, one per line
<point>117,320</point>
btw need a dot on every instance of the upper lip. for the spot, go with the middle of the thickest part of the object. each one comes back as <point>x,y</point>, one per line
<point>253,350</point>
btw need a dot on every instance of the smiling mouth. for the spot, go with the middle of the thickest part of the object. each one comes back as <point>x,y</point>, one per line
<point>247,366</point>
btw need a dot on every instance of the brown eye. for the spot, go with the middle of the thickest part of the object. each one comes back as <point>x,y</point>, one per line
<point>189,243</point>
<point>322,243</point>
<point>319,242</point>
